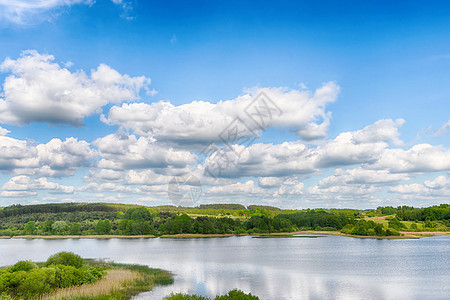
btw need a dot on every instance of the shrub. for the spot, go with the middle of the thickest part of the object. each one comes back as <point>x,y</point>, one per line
<point>66,259</point>
<point>23,265</point>
<point>237,295</point>
<point>25,280</point>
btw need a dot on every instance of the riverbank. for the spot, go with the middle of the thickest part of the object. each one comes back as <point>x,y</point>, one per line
<point>405,235</point>
<point>94,236</point>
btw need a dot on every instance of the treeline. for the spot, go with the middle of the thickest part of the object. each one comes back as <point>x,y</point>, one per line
<point>318,220</point>
<point>142,221</point>
<point>119,219</point>
<point>409,213</point>
<point>17,209</point>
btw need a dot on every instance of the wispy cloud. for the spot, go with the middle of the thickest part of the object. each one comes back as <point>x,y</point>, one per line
<point>29,12</point>
<point>26,12</point>
<point>443,129</point>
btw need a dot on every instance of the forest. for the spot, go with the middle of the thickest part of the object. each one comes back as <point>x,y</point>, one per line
<point>125,219</point>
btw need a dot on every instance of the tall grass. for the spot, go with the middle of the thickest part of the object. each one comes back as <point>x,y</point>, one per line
<point>120,282</point>
<point>114,281</point>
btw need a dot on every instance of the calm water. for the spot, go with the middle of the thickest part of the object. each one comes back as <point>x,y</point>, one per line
<point>326,267</point>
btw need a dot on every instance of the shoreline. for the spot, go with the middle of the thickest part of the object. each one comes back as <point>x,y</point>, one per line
<point>405,235</point>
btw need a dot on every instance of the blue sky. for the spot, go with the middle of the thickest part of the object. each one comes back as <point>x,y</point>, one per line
<point>110,100</point>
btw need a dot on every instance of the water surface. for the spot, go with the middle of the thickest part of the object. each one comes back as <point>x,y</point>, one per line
<point>325,267</point>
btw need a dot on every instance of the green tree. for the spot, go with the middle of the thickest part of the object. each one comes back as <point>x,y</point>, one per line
<point>59,226</point>
<point>103,227</point>
<point>47,225</point>
<point>75,229</point>
<point>30,227</point>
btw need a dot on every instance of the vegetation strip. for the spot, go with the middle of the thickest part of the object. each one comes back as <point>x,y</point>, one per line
<point>103,220</point>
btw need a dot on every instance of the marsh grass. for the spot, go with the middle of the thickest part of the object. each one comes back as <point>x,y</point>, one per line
<point>120,282</point>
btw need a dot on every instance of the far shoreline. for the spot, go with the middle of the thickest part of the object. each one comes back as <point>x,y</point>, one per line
<point>405,235</point>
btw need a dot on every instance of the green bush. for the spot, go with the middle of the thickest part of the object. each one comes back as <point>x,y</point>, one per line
<point>23,265</point>
<point>237,295</point>
<point>66,259</point>
<point>25,280</point>
<point>184,297</point>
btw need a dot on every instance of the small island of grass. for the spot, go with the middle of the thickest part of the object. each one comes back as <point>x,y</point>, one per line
<point>232,295</point>
<point>66,275</point>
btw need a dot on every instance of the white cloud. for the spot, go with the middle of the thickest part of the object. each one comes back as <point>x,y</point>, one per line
<point>21,186</point>
<point>146,177</point>
<point>39,90</point>
<point>55,158</point>
<point>94,187</point>
<point>286,189</point>
<point>202,122</point>
<point>270,182</point>
<point>125,152</point>
<point>419,158</point>
<point>344,190</point>
<point>443,129</point>
<point>439,187</point>
<point>290,158</point>
<point>4,131</point>
<point>382,130</point>
<point>247,188</point>
<point>346,150</point>
<point>26,11</point>
<point>361,176</point>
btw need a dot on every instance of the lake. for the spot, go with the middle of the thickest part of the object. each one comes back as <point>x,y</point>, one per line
<point>322,267</point>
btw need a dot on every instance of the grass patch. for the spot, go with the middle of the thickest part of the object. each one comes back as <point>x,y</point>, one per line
<point>122,281</point>
<point>115,280</point>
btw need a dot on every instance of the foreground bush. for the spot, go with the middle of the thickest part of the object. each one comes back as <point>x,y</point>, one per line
<point>25,280</point>
<point>66,259</point>
<point>232,295</point>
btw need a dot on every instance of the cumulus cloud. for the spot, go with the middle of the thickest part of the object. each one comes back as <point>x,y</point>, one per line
<point>265,160</point>
<point>419,158</point>
<point>145,177</point>
<point>55,158</point>
<point>40,90</point>
<point>22,186</point>
<point>364,146</point>
<point>288,189</point>
<point>247,188</point>
<point>126,152</point>
<point>202,122</point>
<point>360,176</point>
<point>382,130</point>
<point>347,190</point>
<point>94,187</point>
<point>439,187</point>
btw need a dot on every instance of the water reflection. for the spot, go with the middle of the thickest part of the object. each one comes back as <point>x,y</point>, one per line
<point>330,267</point>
